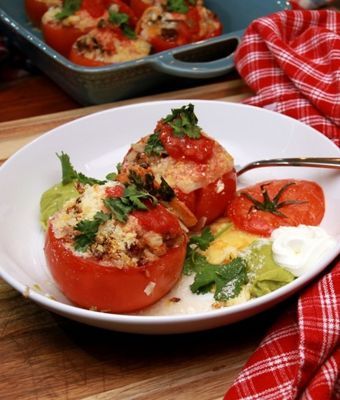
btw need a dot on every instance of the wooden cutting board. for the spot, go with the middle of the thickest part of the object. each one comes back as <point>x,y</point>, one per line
<point>44,356</point>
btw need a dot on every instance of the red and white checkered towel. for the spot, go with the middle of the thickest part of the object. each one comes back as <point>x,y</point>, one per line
<point>300,356</point>
<point>291,60</point>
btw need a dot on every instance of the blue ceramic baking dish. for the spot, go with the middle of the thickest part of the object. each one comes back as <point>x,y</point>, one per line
<point>205,59</point>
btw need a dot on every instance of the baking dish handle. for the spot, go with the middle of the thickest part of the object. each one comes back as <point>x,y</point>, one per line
<point>169,64</point>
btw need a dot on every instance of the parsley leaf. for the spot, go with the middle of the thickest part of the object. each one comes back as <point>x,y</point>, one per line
<point>163,192</point>
<point>228,279</point>
<point>69,8</point>
<point>154,146</point>
<point>112,176</point>
<point>184,122</point>
<point>69,174</point>
<point>132,199</point>
<point>122,20</point>
<point>89,229</point>
<point>179,6</point>
<point>202,241</point>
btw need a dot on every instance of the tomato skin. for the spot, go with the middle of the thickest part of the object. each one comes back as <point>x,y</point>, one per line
<point>79,59</point>
<point>35,10</point>
<point>212,201</point>
<point>262,222</point>
<point>59,37</point>
<point>108,288</point>
<point>138,6</point>
<point>95,8</point>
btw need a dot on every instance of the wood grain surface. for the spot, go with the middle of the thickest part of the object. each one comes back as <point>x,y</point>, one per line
<point>44,356</point>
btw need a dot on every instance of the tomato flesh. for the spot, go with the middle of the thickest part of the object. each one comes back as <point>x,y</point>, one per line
<point>110,288</point>
<point>185,148</point>
<point>309,212</point>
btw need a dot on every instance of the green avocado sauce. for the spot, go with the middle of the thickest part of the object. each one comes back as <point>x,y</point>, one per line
<point>53,199</point>
<point>265,275</point>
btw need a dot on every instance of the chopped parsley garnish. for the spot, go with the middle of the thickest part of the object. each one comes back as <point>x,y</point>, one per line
<point>203,240</point>
<point>184,122</point>
<point>163,191</point>
<point>121,20</point>
<point>132,199</point>
<point>179,6</point>
<point>226,280</point>
<point>88,230</point>
<point>69,174</point>
<point>112,176</point>
<point>69,8</point>
<point>154,146</point>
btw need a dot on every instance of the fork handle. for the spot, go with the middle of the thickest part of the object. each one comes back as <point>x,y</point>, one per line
<point>319,162</point>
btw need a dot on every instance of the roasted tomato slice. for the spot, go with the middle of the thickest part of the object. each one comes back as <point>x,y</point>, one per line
<point>268,205</point>
<point>90,284</point>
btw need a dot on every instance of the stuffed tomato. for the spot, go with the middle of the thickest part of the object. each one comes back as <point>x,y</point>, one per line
<point>114,248</point>
<point>61,26</point>
<point>199,170</point>
<point>35,9</point>
<point>114,40</point>
<point>169,24</point>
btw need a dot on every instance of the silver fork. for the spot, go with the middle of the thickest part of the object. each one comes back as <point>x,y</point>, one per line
<point>318,162</point>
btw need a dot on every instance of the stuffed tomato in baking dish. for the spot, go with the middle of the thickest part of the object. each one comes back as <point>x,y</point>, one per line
<point>199,170</point>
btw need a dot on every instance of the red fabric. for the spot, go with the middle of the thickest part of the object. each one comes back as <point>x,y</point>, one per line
<point>300,356</point>
<point>291,59</point>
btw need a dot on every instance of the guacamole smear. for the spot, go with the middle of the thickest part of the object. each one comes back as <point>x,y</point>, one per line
<point>264,274</point>
<point>53,199</point>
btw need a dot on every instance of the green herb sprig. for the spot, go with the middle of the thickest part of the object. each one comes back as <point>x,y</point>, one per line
<point>179,6</point>
<point>226,280</point>
<point>68,9</point>
<point>69,174</point>
<point>184,122</point>
<point>122,21</point>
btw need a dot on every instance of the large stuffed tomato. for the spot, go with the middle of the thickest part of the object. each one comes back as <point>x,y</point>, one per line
<point>35,9</point>
<point>163,30</point>
<point>127,265</point>
<point>263,207</point>
<point>106,45</point>
<point>170,24</point>
<point>62,26</point>
<point>197,168</point>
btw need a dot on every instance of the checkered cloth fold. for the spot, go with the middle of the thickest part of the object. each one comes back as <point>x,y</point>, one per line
<point>300,356</point>
<point>291,60</point>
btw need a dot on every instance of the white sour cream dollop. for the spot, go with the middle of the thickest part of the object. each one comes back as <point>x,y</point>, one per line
<point>300,248</point>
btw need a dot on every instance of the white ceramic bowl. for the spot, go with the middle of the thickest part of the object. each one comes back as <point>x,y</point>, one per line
<point>96,143</point>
